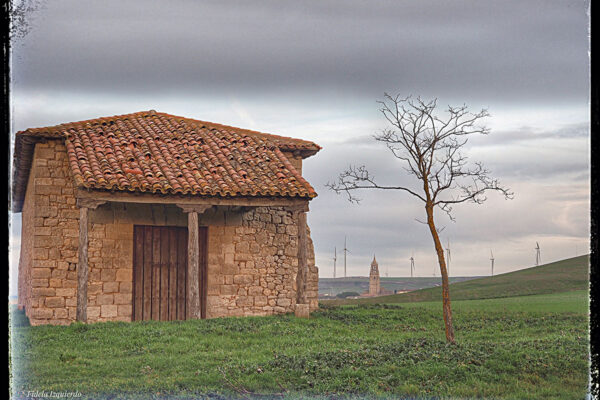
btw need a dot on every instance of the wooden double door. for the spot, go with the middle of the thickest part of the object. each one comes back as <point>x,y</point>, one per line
<point>160,272</point>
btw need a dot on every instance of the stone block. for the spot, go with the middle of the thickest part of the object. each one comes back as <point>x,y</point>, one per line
<point>69,283</point>
<point>227,269</point>
<point>47,241</point>
<point>124,275</point>
<point>285,302</point>
<point>105,299</point>
<point>125,287</point>
<point>108,275</point>
<point>110,287</point>
<point>66,292</point>
<point>43,292</point>
<point>55,282</point>
<point>244,301</point>
<point>243,279</point>
<point>42,313</point>
<point>124,310</point>
<point>54,302</point>
<point>39,283</point>
<point>255,290</point>
<point>108,311</point>
<point>40,253</point>
<point>41,273</point>
<point>302,310</point>
<point>69,213</point>
<point>93,311</point>
<point>123,298</point>
<point>47,189</point>
<point>74,233</point>
<point>59,273</point>
<point>44,264</point>
<point>260,300</point>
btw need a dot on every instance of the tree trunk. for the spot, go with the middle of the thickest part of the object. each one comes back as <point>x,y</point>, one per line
<point>445,284</point>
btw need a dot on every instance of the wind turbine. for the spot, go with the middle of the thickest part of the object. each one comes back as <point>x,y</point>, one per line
<point>345,251</point>
<point>448,257</point>
<point>538,256</point>
<point>334,260</point>
<point>412,265</point>
<point>492,260</point>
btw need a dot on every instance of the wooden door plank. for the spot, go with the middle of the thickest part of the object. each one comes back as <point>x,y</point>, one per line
<point>138,272</point>
<point>181,273</point>
<point>172,274</point>
<point>155,273</point>
<point>164,273</point>
<point>147,287</point>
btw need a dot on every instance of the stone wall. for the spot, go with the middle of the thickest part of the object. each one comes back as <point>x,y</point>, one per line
<point>52,278</point>
<point>252,267</point>
<point>252,253</point>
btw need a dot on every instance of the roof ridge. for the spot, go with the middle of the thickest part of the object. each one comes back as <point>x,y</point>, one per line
<point>54,128</point>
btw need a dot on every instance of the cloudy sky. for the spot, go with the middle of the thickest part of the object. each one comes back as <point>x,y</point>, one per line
<point>314,70</point>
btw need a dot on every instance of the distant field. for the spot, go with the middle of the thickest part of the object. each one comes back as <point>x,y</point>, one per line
<point>561,276</point>
<point>529,347</point>
<point>360,284</point>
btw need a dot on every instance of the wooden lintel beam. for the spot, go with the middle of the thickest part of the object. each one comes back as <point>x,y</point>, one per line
<point>178,200</point>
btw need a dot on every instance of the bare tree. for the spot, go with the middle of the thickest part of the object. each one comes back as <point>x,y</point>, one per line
<point>430,147</point>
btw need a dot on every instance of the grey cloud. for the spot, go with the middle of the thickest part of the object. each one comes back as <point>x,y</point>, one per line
<point>531,134</point>
<point>510,51</point>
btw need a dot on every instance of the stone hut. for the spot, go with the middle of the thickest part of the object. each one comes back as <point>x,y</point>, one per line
<point>374,284</point>
<point>150,216</point>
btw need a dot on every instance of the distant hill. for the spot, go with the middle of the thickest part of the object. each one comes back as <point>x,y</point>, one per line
<point>360,284</point>
<point>561,276</point>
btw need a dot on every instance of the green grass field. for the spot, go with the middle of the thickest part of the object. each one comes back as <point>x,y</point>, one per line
<point>529,347</point>
<point>565,275</point>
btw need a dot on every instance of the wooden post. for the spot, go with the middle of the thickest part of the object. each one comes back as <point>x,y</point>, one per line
<point>82,266</point>
<point>193,289</point>
<point>193,303</point>
<point>302,276</point>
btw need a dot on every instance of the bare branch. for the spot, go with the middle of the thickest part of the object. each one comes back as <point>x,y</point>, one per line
<point>358,178</point>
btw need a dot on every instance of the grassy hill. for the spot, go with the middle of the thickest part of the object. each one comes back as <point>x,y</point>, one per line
<point>360,284</point>
<point>561,276</point>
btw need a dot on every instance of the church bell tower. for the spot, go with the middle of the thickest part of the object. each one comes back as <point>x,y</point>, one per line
<point>374,286</point>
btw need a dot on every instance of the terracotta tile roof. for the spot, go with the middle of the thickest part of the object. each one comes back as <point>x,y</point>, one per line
<point>155,152</point>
